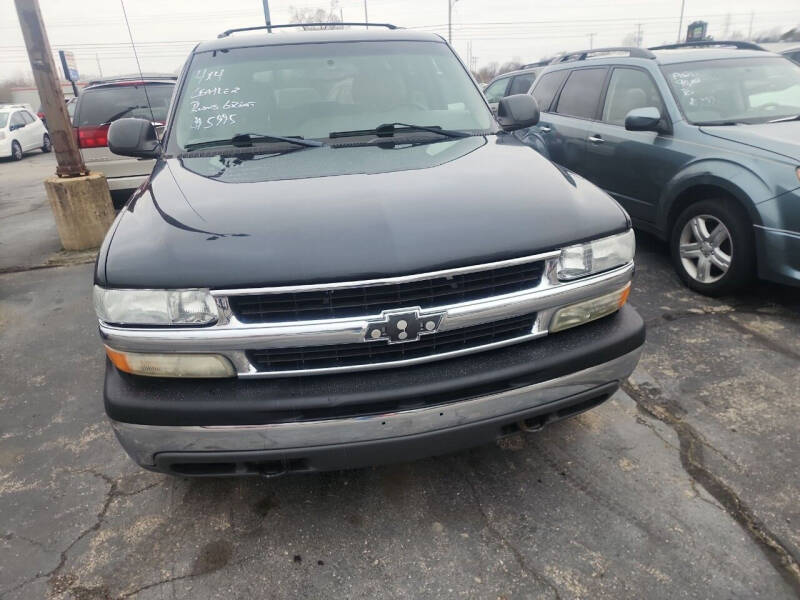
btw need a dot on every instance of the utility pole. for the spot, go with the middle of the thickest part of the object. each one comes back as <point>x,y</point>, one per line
<point>99,68</point>
<point>680,21</point>
<point>450,4</point>
<point>366,14</point>
<point>638,35</point>
<point>450,21</point>
<point>591,40</point>
<point>266,16</point>
<point>80,200</point>
<point>70,163</point>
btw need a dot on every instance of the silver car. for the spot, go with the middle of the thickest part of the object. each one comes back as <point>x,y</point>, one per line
<point>105,101</point>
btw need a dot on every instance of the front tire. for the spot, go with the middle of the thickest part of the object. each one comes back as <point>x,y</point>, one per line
<point>712,247</point>
<point>47,145</point>
<point>16,151</point>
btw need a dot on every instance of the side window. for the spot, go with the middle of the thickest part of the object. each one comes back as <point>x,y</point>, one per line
<point>547,88</point>
<point>581,93</point>
<point>28,117</point>
<point>496,90</point>
<point>629,89</point>
<point>521,83</point>
<point>17,120</point>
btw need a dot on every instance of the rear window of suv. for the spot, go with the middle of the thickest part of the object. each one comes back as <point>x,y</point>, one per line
<point>547,88</point>
<point>108,103</point>
<point>581,93</point>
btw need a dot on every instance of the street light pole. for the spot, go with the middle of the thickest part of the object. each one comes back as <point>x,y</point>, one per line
<point>680,22</point>
<point>266,16</point>
<point>366,14</point>
<point>450,4</point>
<point>450,21</point>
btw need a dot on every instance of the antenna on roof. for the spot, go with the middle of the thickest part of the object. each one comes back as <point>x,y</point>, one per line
<point>138,66</point>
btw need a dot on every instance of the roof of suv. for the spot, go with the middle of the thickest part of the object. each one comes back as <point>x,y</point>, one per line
<point>373,34</point>
<point>680,55</point>
<point>665,55</point>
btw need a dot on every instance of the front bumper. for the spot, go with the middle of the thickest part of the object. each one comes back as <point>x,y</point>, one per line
<point>265,427</point>
<point>778,254</point>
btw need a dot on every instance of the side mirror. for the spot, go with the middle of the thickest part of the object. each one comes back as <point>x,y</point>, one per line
<point>517,112</point>
<point>133,137</point>
<point>644,119</point>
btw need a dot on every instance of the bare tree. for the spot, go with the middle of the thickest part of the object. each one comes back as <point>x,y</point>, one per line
<point>317,15</point>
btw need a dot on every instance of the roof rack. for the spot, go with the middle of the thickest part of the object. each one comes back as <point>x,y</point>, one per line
<point>709,43</point>
<point>227,32</point>
<point>538,63</point>
<point>632,51</point>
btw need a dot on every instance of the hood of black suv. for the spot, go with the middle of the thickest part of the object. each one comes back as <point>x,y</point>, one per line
<point>320,215</point>
<point>781,138</point>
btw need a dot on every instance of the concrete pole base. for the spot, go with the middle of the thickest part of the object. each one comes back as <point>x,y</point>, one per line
<point>82,208</point>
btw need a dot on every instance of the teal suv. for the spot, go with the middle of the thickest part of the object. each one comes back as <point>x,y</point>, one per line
<point>699,142</point>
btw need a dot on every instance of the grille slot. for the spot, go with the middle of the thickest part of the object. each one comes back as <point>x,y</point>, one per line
<point>370,353</point>
<point>371,300</point>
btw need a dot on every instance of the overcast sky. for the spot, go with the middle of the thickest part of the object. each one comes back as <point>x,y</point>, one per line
<point>494,30</point>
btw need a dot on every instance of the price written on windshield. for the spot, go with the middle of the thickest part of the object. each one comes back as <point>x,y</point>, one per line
<point>217,113</point>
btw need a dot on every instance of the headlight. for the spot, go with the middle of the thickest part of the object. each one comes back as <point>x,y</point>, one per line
<point>155,307</point>
<point>589,310</point>
<point>592,257</point>
<point>171,365</point>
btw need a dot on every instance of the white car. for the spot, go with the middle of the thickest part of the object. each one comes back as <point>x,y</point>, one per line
<point>21,131</point>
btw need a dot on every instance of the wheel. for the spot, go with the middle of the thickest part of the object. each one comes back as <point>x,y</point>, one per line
<point>16,151</point>
<point>712,247</point>
<point>47,145</point>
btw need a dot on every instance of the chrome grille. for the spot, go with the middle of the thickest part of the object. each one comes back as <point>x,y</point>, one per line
<point>375,353</point>
<point>370,300</point>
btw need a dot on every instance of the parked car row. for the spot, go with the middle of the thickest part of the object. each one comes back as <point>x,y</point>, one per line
<point>100,103</point>
<point>697,141</point>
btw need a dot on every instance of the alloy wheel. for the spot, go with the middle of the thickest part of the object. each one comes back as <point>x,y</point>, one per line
<point>706,248</point>
<point>16,151</point>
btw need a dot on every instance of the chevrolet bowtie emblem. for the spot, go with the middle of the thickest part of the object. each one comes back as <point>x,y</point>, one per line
<point>404,325</point>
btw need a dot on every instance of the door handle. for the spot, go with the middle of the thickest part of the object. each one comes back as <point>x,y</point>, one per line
<point>544,129</point>
<point>596,139</point>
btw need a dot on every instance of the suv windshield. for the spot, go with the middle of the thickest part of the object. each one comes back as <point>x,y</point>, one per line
<point>106,103</point>
<point>313,90</point>
<point>736,90</point>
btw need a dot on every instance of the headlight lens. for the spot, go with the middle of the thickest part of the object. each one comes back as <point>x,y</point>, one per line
<point>589,310</point>
<point>592,257</point>
<point>155,307</point>
<point>171,365</point>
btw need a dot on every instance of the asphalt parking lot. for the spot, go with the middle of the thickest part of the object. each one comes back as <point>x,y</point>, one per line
<point>684,485</point>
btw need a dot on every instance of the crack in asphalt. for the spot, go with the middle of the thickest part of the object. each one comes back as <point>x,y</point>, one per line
<point>691,454</point>
<point>112,494</point>
<point>504,541</point>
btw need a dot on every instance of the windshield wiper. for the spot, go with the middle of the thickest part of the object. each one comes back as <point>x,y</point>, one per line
<point>247,139</point>
<point>389,129</point>
<point>720,123</point>
<point>782,119</point>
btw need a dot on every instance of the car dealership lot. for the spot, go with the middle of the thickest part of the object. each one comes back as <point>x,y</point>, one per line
<point>683,485</point>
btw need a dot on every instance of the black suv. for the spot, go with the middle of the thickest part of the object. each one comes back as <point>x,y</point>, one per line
<point>324,269</point>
